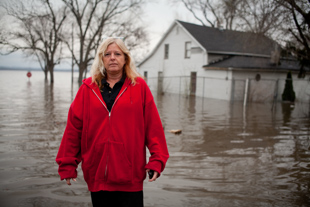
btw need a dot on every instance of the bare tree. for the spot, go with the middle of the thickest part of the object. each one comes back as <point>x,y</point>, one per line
<point>97,18</point>
<point>214,13</point>
<point>38,33</point>
<point>135,37</point>
<point>230,12</point>
<point>260,16</point>
<point>297,27</point>
<point>205,11</point>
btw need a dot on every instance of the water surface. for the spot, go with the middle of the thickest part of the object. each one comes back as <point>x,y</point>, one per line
<point>226,155</point>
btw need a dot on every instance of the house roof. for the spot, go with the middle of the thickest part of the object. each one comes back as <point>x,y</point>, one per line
<point>241,48</point>
<point>224,41</point>
<point>248,62</point>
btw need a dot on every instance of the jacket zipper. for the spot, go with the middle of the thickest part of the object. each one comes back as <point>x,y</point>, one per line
<point>106,167</point>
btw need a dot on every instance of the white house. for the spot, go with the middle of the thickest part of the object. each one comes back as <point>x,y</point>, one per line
<point>222,64</point>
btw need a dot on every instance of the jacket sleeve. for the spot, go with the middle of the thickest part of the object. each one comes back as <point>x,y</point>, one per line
<point>69,153</point>
<point>155,136</point>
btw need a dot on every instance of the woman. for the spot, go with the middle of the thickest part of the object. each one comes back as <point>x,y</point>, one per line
<point>111,120</point>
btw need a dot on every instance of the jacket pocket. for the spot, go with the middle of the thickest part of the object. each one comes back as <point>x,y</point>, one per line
<point>119,168</point>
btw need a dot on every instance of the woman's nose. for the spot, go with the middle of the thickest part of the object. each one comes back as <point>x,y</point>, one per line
<point>112,56</point>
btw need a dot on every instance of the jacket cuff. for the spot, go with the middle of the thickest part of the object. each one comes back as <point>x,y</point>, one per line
<point>67,174</point>
<point>154,165</point>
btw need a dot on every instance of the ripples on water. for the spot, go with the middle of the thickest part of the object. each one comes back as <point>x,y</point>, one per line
<point>225,156</point>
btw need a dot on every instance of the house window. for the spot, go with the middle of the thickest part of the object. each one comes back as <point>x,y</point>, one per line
<point>257,77</point>
<point>166,51</point>
<point>187,49</point>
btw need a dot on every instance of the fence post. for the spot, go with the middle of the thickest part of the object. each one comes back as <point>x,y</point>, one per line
<point>232,93</point>
<point>160,83</point>
<point>246,92</point>
<point>275,95</point>
<point>203,89</point>
<point>180,85</point>
<point>193,83</point>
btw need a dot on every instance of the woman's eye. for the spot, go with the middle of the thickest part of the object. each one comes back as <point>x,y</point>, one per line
<point>107,54</point>
<point>118,54</point>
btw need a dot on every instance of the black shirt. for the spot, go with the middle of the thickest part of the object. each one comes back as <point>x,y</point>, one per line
<point>109,94</point>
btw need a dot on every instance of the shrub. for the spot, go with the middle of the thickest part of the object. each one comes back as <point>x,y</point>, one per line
<point>288,93</point>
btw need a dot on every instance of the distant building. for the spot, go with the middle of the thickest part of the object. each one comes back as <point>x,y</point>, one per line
<point>217,63</point>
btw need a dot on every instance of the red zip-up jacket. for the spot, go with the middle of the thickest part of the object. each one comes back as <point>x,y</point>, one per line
<point>112,145</point>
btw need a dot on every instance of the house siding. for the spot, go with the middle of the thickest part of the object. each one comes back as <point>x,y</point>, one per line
<point>215,84</point>
<point>176,64</point>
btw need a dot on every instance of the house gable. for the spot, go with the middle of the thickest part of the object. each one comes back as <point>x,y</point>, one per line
<point>176,53</point>
<point>177,27</point>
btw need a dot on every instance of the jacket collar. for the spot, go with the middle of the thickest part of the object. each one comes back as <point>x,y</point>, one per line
<point>93,85</point>
<point>105,83</point>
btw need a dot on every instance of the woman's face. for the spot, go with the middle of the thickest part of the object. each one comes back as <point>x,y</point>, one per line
<point>114,59</point>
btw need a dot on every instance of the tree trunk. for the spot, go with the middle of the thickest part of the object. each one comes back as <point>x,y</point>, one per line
<point>80,77</point>
<point>52,76</point>
<point>51,70</point>
<point>82,69</point>
<point>45,74</point>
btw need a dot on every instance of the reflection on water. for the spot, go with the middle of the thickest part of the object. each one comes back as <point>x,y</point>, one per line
<point>226,155</point>
<point>227,158</point>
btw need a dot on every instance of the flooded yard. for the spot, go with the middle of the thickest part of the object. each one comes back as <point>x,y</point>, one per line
<point>226,155</point>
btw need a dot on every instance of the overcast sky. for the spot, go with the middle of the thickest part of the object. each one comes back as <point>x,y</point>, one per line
<point>158,17</point>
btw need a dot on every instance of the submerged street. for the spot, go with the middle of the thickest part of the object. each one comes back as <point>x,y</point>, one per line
<point>226,155</point>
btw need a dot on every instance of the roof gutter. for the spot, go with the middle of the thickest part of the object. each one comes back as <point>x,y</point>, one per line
<point>239,53</point>
<point>249,69</point>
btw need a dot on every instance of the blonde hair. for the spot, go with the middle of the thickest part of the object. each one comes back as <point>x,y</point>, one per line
<point>98,72</point>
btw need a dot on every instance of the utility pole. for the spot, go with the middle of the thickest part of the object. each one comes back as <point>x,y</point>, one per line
<point>72,60</point>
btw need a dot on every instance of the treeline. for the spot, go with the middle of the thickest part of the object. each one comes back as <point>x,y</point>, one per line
<point>60,29</point>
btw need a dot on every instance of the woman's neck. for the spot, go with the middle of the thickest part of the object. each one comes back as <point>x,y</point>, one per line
<point>114,78</point>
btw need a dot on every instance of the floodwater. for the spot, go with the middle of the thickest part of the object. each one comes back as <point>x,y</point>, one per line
<point>226,155</point>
